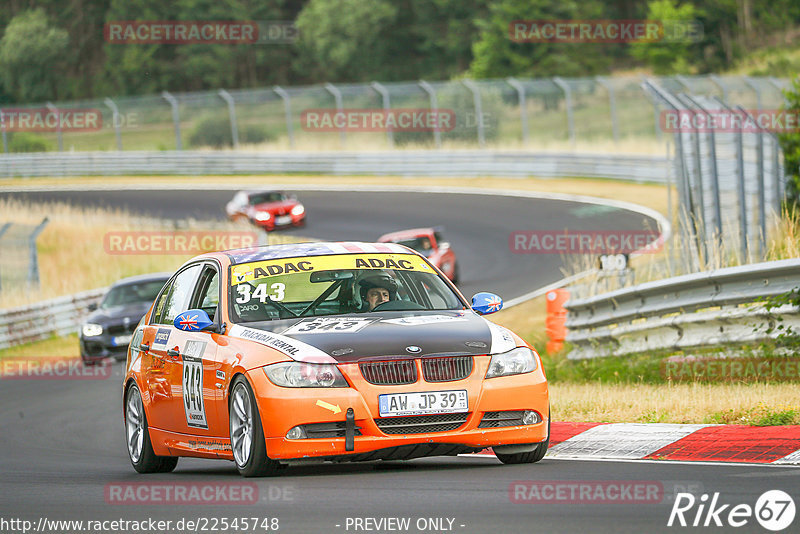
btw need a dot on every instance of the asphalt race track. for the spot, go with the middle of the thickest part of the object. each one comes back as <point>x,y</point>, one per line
<point>62,449</point>
<point>478,227</point>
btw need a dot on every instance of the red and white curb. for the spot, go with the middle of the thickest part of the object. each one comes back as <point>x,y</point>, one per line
<point>779,445</point>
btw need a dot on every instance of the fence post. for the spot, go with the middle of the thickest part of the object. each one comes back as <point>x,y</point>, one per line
<point>59,133</point>
<point>700,213</point>
<point>115,118</point>
<point>226,96</point>
<point>762,201</point>
<point>568,103</point>
<point>723,87</point>
<point>33,267</point>
<point>523,111</point>
<point>712,144</point>
<point>740,190</point>
<point>476,99</point>
<point>287,109</point>
<point>3,230</point>
<point>337,97</point>
<point>684,194</point>
<point>437,134</point>
<point>612,103</point>
<point>385,97</point>
<point>754,86</point>
<point>176,119</point>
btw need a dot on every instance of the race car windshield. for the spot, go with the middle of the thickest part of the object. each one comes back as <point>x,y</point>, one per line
<point>335,292</point>
<point>420,244</point>
<point>132,294</point>
<point>263,198</point>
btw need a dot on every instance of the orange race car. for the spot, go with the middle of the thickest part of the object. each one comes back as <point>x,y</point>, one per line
<point>326,351</point>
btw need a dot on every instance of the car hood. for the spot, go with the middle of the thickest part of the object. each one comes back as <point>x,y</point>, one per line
<point>134,312</point>
<point>383,336</point>
<point>275,206</point>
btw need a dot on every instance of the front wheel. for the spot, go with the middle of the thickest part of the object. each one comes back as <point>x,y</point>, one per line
<point>247,434</point>
<point>140,449</point>
<point>527,457</point>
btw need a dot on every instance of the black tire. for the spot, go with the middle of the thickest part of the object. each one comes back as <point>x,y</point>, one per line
<point>256,463</point>
<point>147,461</point>
<point>528,457</point>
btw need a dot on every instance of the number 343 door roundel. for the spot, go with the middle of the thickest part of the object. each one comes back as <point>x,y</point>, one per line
<point>193,384</point>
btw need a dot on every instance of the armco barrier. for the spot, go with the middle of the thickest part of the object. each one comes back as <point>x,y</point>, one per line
<point>702,309</point>
<point>631,168</point>
<point>40,321</point>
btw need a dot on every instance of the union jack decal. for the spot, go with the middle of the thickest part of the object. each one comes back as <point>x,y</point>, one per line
<point>494,303</point>
<point>189,323</point>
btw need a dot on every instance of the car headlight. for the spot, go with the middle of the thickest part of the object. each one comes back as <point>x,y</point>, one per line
<point>298,210</point>
<point>92,330</point>
<point>514,362</point>
<point>305,375</point>
<point>263,216</point>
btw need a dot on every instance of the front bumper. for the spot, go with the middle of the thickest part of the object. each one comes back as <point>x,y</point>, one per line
<point>97,348</point>
<point>283,408</point>
<point>271,225</point>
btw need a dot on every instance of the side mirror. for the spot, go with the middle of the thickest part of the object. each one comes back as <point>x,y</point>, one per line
<point>486,303</point>
<point>444,245</point>
<point>92,307</point>
<point>192,321</point>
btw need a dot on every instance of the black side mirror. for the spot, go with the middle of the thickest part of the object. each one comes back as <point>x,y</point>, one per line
<point>92,307</point>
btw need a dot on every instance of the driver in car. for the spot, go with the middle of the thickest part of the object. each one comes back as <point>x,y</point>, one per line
<point>377,289</point>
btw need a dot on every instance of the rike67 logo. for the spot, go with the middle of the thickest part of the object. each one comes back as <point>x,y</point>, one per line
<point>774,510</point>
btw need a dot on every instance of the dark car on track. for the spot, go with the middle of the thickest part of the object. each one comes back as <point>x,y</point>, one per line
<point>267,209</point>
<point>107,331</point>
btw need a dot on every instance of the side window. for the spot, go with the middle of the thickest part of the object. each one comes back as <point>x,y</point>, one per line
<point>207,297</point>
<point>179,295</point>
<point>438,237</point>
<point>158,312</point>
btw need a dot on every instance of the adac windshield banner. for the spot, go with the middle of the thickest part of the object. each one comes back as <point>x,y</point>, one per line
<point>264,269</point>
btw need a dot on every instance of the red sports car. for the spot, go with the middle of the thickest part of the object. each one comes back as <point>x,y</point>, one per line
<point>430,243</point>
<point>267,209</point>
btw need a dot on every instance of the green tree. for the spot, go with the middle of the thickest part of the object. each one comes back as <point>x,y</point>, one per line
<point>790,143</point>
<point>667,56</point>
<point>345,39</point>
<point>31,57</point>
<point>495,54</point>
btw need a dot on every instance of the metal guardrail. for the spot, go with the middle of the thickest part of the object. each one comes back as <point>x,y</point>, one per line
<point>634,168</point>
<point>695,310</point>
<point>56,317</point>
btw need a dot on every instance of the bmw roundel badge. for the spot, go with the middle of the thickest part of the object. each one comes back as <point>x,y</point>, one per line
<point>413,349</point>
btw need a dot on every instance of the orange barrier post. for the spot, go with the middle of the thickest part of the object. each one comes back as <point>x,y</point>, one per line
<point>556,319</point>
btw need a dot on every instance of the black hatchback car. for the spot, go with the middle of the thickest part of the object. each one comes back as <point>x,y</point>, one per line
<point>107,331</point>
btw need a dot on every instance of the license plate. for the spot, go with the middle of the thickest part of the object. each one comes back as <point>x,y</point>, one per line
<point>121,340</point>
<point>283,219</point>
<point>423,403</point>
